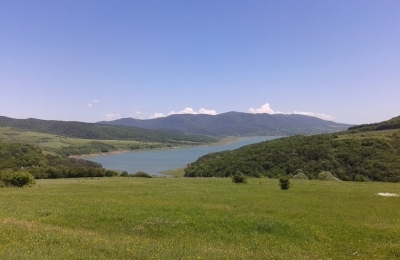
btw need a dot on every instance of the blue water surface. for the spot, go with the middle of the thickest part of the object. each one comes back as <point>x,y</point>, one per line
<point>156,161</point>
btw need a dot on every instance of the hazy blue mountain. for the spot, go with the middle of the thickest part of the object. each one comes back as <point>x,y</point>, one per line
<point>236,124</point>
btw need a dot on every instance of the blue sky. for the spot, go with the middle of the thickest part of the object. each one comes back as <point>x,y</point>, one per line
<point>95,60</point>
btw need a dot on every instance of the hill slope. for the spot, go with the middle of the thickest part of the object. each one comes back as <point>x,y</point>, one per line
<point>393,123</point>
<point>101,132</point>
<point>236,124</point>
<point>348,156</point>
<point>23,157</point>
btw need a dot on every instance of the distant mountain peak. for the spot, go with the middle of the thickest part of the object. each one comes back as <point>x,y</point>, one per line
<point>234,123</point>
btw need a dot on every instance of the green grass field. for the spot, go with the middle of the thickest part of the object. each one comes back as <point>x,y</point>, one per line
<point>178,218</point>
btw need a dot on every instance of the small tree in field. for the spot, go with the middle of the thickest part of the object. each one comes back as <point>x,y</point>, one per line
<point>284,183</point>
<point>238,177</point>
<point>17,179</point>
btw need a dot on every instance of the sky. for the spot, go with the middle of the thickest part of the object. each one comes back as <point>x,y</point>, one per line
<point>94,60</point>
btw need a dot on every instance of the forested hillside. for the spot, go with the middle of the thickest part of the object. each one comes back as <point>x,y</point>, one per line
<point>237,124</point>
<point>102,132</point>
<point>371,156</point>
<point>29,158</point>
<point>393,123</point>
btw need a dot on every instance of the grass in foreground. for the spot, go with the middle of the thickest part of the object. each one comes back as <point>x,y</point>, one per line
<point>168,218</point>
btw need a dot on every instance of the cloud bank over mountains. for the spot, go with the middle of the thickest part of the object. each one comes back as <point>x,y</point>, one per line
<point>187,110</point>
<point>266,108</point>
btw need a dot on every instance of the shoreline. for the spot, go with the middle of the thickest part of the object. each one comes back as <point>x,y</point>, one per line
<point>223,141</point>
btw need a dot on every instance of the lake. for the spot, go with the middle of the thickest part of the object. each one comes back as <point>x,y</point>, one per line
<point>156,161</point>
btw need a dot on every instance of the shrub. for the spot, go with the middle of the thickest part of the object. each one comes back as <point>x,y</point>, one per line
<point>360,178</point>
<point>124,174</point>
<point>326,176</point>
<point>300,176</point>
<point>109,173</point>
<point>238,177</point>
<point>141,174</point>
<point>17,179</point>
<point>284,183</point>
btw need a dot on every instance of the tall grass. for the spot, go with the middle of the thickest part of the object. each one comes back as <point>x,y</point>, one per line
<point>175,218</point>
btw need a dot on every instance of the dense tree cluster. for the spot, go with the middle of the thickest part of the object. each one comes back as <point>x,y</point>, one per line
<point>347,157</point>
<point>393,123</point>
<point>30,159</point>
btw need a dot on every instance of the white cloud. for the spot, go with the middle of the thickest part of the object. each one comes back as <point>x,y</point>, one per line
<point>110,117</point>
<point>137,115</point>
<point>208,112</point>
<point>263,109</point>
<point>267,109</point>
<point>157,115</point>
<point>90,105</point>
<point>189,110</point>
<point>319,115</point>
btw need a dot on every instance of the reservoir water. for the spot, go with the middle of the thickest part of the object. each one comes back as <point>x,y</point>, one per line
<point>156,161</point>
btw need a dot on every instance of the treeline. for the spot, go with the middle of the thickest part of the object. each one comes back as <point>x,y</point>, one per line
<point>70,172</point>
<point>102,132</point>
<point>393,123</point>
<point>29,158</point>
<point>372,157</point>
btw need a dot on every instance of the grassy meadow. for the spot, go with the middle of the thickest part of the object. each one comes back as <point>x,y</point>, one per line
<point>43,140</point>
<point>179,218</point>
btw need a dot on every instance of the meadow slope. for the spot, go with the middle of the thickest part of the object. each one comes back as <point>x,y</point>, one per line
<point>212,218</point>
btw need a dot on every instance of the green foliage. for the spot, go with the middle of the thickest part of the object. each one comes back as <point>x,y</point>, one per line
<point>376,156</point>
<point>326,176</point>
<point>32,161</point>
<point>393,123</point>
<point>300,176</point>
<point>124,174</point>
<point>141,174</point>
<point>238,177</point>
<point>284,183</point>
<point>16,179</point>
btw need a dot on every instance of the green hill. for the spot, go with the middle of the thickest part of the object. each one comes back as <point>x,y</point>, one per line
<point>348,156</point>
<point>393,123</point>
<point>30,158</point>
<point>102,132</point>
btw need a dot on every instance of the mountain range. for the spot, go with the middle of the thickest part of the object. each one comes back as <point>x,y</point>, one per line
<point>236,124</point>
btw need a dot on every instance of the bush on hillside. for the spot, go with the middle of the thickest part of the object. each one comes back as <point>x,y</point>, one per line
<point>284,183</point>
<point>17,179</point>
<point>326,176</point>
<point>300,176</point>
<point>141,174</point>
<point>238,177</point>
<point>360,178</point>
